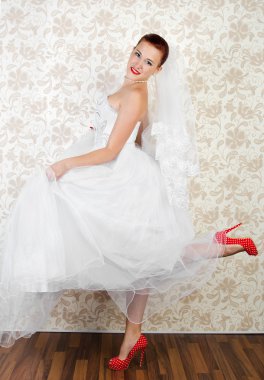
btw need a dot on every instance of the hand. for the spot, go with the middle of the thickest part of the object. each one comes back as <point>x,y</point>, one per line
<point>58,170</point>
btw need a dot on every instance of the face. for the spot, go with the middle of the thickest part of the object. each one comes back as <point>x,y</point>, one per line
<point>143,61</point>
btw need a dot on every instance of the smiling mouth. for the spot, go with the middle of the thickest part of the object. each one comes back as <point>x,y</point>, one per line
<point>134,71</point>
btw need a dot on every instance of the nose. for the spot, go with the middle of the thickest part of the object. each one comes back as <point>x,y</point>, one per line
<point>139,65</point>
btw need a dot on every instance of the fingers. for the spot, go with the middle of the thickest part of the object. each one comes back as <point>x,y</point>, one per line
<point>50,174</point>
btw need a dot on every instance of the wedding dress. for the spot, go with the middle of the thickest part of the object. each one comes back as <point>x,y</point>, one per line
<point>103,227</point>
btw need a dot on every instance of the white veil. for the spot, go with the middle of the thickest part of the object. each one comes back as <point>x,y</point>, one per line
<point>170,135</point>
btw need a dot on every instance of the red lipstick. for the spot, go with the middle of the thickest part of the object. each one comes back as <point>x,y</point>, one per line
<point>135,72</point>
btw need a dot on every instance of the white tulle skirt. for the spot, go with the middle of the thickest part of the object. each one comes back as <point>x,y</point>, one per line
<point>104,227</point>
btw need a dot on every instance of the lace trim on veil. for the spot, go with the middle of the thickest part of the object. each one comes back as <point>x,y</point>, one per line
<point>170,136</point>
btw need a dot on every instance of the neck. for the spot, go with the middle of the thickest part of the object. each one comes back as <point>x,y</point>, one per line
<point>135,81</point>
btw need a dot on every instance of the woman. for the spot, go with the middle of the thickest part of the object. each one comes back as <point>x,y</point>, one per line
<point>105,222</point>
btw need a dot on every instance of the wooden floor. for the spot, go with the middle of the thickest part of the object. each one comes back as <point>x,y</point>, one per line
<point>81,356</point>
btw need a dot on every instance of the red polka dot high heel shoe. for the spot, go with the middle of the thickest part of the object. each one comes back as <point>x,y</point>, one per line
<point>246,243</point>
<point>118,364</point>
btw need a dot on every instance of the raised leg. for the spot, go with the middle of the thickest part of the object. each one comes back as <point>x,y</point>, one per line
<point>197,251</point>
<point>232,249</point>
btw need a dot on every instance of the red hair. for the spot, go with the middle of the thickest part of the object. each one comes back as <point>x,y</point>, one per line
<point>159,43</point>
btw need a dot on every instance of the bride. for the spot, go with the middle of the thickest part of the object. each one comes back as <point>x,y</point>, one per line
<point>106,217</point>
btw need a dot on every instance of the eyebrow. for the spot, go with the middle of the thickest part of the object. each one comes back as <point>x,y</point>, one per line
<point>147,58</point>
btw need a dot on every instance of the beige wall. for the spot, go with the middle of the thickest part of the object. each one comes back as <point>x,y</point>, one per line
<point>56,54</point>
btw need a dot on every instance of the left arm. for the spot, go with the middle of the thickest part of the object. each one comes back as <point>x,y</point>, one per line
<point>144,123</point>
<point>129,113</point>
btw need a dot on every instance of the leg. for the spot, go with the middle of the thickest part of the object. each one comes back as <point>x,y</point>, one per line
<point>203,250</point>
<point>133,330</point>
<point>232,249</point>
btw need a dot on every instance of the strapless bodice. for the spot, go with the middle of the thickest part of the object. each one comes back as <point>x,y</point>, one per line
<point>104,121</point>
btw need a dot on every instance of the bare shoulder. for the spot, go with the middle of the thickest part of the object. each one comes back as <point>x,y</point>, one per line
<point>136,100</point>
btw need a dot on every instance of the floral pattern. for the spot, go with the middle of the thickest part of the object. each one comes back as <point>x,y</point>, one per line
<point>57,55</point>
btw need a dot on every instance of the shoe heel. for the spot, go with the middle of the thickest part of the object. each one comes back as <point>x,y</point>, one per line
<point>142,355</point>
<point>221,237</point>
<point>232,228</point>
<point>247,243</point>
<point>118,364</point>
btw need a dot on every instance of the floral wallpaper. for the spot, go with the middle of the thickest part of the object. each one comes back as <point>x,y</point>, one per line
<point>56,55</point>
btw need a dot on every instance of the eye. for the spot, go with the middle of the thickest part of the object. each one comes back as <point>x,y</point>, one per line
<point>137,54</point>
<point>149,63</point>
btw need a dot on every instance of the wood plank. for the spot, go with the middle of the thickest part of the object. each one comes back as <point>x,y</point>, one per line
<point>176,364</point>
<point>69,365</point>
<point>234,362</point>
<point>256,364</point>
<point>220,358</point>
<point>218,375</point>
<point>80,370</point>
<point>207,352</point>
<point>57,366</point>
<point>40,371</point>
<point>75,340</point>
<point>204,376</point>
<point>72,356</point>
<point>243,359</point>
<point>42,339</point>
<point>151,359</point>
<point>7,366</point>
<point>197,358</point>
<point>259,350</point>
<point>141,375</point>
<point>182,342</point>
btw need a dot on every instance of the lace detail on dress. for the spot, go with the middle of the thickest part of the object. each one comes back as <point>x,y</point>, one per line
<point>104,120</point>
<point>100,120</point>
